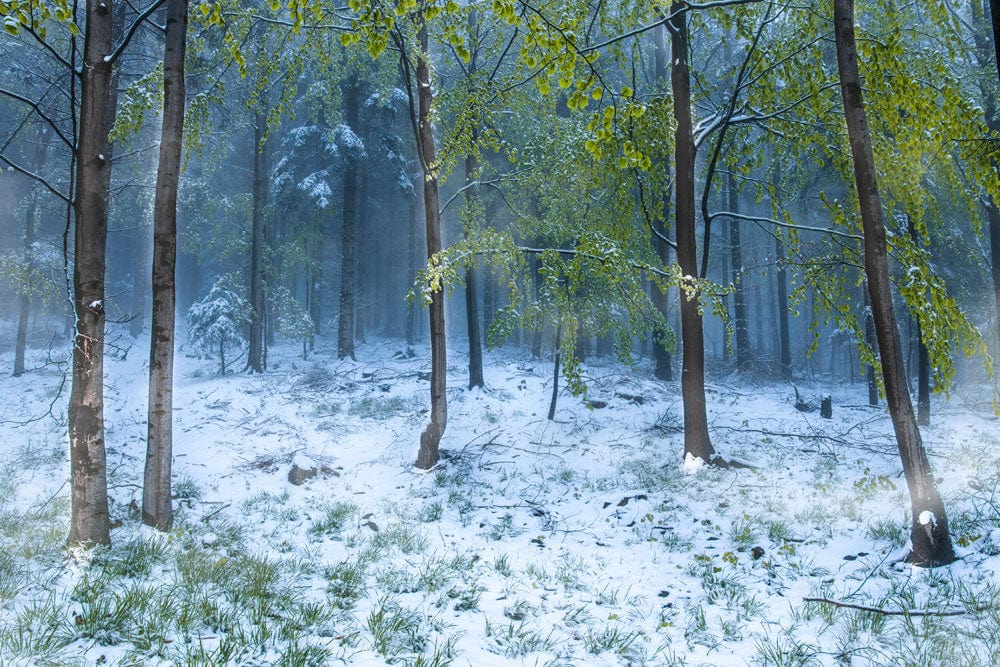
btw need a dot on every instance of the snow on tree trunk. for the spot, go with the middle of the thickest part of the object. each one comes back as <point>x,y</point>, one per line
<point>431,437</point>
<point>697,443</point>
<point>89,522</point>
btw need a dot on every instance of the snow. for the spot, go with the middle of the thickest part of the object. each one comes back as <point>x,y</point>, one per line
<point>572,529</point>
<point>927,518</point>
<point>692,464</point>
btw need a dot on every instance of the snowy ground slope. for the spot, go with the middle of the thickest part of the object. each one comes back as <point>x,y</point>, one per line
<point>577,542</point>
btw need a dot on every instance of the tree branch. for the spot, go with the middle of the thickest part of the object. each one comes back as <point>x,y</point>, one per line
<point>903,612</point>
<point>146,13</point>
<point>35,177</point>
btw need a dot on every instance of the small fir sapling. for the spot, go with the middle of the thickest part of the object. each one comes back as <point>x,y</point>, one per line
<point>216,321</point>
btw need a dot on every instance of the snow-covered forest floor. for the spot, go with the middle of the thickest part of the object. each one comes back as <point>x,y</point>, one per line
<point>575,542</point>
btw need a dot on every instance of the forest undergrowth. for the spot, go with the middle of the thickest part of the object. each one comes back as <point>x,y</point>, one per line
<point>579,541</point>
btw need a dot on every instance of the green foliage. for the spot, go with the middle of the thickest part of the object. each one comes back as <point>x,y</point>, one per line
<point>142,96</point>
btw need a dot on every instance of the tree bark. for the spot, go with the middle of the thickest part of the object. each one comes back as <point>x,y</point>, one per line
<point>472,291</point>
<point>348,262</point>
<point>697,443</point>
<point>258,301</point>
<point>740,294</point>
<point>930,540</point>
<point>156,508</point>
<point>89,523</point>
<point>427,457</point>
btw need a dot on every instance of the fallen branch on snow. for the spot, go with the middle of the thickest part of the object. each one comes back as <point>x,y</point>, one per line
<point>902,612</point>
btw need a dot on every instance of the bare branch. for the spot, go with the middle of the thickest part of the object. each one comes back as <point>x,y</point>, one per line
<point>787,225</point>
<point>903,612</point>
<point>36,107</point>
<point>33,176</point>
<point>146,13</point>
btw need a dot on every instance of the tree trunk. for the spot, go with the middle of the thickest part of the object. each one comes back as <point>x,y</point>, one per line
<point>661,354</point>
<point>427,457</point>
<point>24,305</point>
<point>740,294</point>
<point>156,508</point>
<point>258,301</point>
<point>472,290</point>
<point>348,262</point>
<point>411,272</point>
<point>785,356</point>
<point>89,523</point>
<point>870,343</point>
<point>930,540</point>
<point>555,372</point>
<point>697,443</point>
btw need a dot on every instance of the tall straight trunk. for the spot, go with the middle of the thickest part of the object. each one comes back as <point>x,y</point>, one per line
<point>697,443</point>
<point>987,50</point>
<point>923,358</point>
<point>24,305</point>
<point>489,297</point>
<point>784,343</point>
<point>557,354</point>
<point>411,271</point>
<point>536,290</point>
<point>930,540</point>
<point>740,294</point>
<point>661,354</point>
<point>348,262</point>
<point>870,343</point>
<point>140,264</point>
<point>88,461</point>
<point>427,457</point>
<point>156,508</point>
<point>258,301</point>
<point>315,307</point>
<point>472,291</point>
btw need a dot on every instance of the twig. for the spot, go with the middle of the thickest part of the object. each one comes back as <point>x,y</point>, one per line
<point>214,512</point>
<point>903,612</point>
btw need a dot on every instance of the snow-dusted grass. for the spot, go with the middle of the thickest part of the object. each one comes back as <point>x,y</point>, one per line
<point>582,541</point>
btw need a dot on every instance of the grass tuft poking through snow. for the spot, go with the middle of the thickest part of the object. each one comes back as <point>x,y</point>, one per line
<point>584,541</point>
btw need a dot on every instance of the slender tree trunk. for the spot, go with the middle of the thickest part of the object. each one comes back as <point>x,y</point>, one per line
<point>536,289</point>
<point>348,263</point>
<point>785,356</point>
<point>661,301</point>
<point>930,540</point>
<point>411,271</point>
<point>697,443</point>
<point>258,300</point>
<point>24,305</point>
<point>140,264</point>
<point>740,294</point>
<point>987,50</point>
<point>472,292</point>
<point>89,522</point>
<point>427,457</point>
<point>923,359</point>
<point>557,355</point>
<point>156,508</point>
<point>870,343</point>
